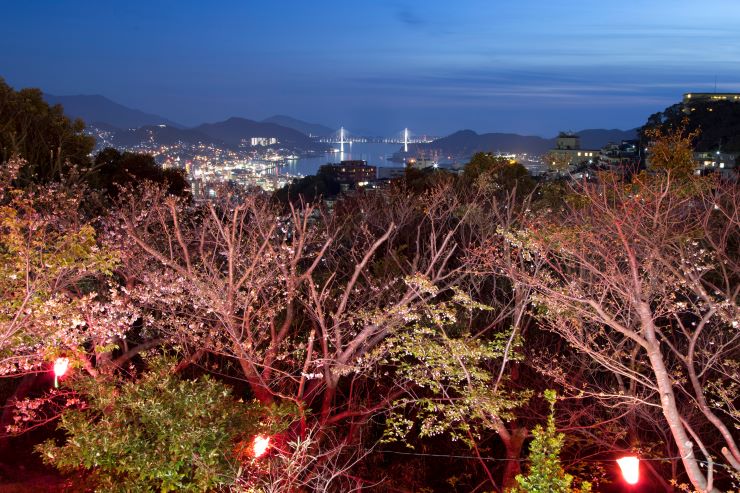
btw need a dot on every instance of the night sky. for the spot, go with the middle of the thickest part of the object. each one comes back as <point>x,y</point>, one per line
<point>436,66</point>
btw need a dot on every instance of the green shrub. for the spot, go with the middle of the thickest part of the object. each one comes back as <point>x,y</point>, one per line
<point>546,474</point>
<point>157,433</point>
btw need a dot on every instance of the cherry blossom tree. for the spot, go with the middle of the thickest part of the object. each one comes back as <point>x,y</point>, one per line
<point>642,278</point>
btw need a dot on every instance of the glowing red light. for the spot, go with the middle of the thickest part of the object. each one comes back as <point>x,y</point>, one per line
<point>260,444</point>
<point>61,365</point>
<point>630,469</point>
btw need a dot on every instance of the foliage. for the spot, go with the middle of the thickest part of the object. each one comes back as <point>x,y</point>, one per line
<point>419,181</point>
<point>643,281</point>
<point>114,169</point>
<point>47,259</point>
<point>498,175</point>
<point>156,433</point>
<point>546,474</point>
<point>308,189</point>
<point>672,149</point>
<point>55,149</point>
<point>557,161</point>
<point>449,381</point>
<point>48,141</point>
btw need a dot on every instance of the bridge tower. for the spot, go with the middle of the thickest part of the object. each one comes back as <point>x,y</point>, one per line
<point>406,140</point>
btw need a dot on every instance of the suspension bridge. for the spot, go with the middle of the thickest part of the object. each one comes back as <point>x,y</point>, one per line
<point>343,136</point>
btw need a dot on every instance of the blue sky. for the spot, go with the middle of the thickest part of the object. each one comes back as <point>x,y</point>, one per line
<point>527,66</point>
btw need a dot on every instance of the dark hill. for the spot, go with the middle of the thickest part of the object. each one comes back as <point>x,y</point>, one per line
<point>234,130</point>
<point>96,108</point>
<point>465,143</point>
<point>312,129</point>
<point>468,142</point>
<point>718,123</point>
<point>162,135</point>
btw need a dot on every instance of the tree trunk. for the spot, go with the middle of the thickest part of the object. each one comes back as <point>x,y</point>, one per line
<point>673,417</point>
<point>513,453</point>
<point>256,384</point>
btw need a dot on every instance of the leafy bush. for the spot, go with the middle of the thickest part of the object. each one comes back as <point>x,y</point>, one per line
<point>448,371</point>
<point>158,433</point>
<point>546,474</point>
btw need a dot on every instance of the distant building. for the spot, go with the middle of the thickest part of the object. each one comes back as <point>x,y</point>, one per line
<point>724,163</point>
<point>623,155</point>
<point>568,141</point>
<point>692,97</point>
<point>355,173</point>
<point>568,152</point>
<point>263,141</point>
<point>708,97</point>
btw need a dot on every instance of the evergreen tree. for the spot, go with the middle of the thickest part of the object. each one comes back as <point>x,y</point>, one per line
<point>546,474</point>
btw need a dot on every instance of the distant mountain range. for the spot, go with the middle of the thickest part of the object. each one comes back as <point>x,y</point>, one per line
<point>131,127</point>
<point>468,142</point>
<point>102,112</point>
<point>234,130</point>
<point>311,129</point>
<point>161,134</point>
<point>232,133</point>
<point>95,109</point>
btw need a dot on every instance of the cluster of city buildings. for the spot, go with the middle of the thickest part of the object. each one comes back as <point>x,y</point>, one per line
<point>208,166</point>
<point>625,157</point>
<point>569,157</point>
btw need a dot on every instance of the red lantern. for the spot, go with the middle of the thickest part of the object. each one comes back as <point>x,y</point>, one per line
<point>630,469</point>
<point>61,365</point>
<point>260,444</point>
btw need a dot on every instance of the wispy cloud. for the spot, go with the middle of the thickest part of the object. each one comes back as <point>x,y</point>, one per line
<point>410,18</point>
<point>568,87</point>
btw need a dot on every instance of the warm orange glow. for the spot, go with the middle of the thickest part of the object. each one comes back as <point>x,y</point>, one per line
<point>630,469</point>
<point>260,445</point>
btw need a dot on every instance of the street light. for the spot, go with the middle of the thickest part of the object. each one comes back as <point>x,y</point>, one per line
<point>630,467</point>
